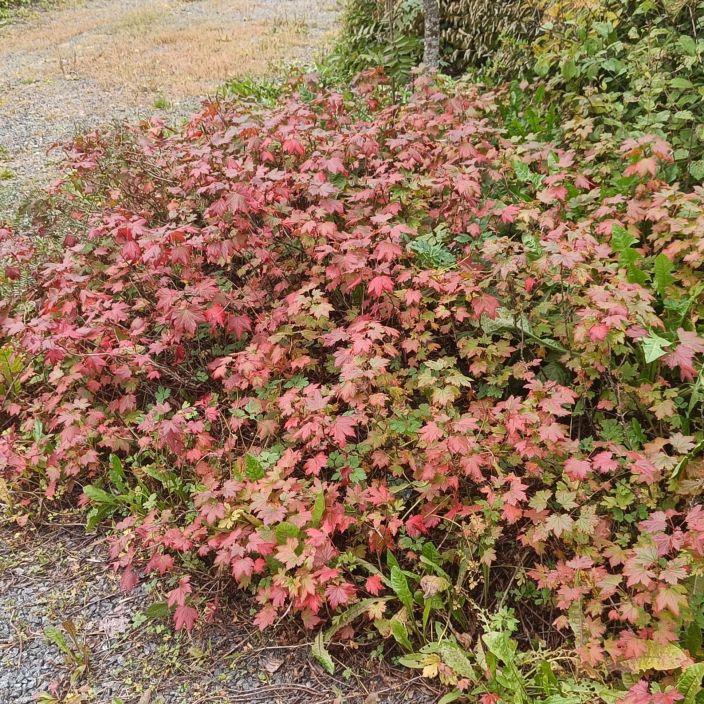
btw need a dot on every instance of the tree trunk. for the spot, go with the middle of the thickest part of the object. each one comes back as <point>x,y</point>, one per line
<point>431,53</point>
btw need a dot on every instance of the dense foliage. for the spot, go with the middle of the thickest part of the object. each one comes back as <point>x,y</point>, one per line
<point>627,66</point>
<point>622,67</point>
<point>384,362</point>
<point>389,33</point>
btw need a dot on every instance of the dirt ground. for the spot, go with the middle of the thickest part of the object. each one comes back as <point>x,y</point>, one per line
<point>69,635</point>
<point>81,64</point>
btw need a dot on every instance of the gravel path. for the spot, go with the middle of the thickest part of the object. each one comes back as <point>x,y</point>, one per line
<point>87,63</point>
<point>58,578</point>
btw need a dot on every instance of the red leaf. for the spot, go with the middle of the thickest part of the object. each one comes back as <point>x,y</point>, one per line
<point>485,304</point>
<point>186,320</point>
<point>293,146</point>
<point>215,315</point>
<point>265,617</point>
<point>430,433</point>
<point>129,580</point>
<point>185,617</point>
<point>379,284</point>
<point>339,594</point>
<point>177,596</point>
<point>577,469</point>
<point>374,585</point>
<point>160,563</point>
<point>242,568</point>
<point>342,428</point>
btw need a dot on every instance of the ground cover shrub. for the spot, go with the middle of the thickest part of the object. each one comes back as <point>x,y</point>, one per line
<point>390,368</point>
<point>385,34</point>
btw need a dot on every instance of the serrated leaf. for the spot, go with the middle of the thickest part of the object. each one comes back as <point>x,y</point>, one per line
<point>354,612</point>
<point>662,273</point>
<point>621,239</point>
<point>321,654</point>
<point>654,347</point>
<point>689,683</point>
<point>659,657</point>
<point>253,468</point>
<point>316,514</point>
<point>57,638</point>
<point>157,610</point>
<point>696,170</point>
<point>117,474</point>
<point>399,584</point>
<point>99,496</point>
<point>286,530</point>
<point>499,644</point>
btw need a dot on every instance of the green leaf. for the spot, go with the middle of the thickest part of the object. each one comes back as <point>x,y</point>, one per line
<point>452,696</point>
<point>391,560</point>
<point>400,633</point>
<point>542,66</point>
<point>286,530</point>
<point>117,474</point>
<point>157,610</point>
<point>569,69</point>
<point>253,468</point>
<point>318,509</point>
<point>690,682</point>
<point>546,678</point>
<point>621,239</point>
<point>415,660</point>
<point>662,273</point>
<point>354,612</point>
<point>454,657</point>
<point>696,170</point>
<point>57,638</point>
<point>321,654</point>
<point>525,175</point>
<point>399,584</point>
<point>98,495</point>
<point>689,46</point>
<point>682,83</point>
<point>693,639</point>
<point>499,644</point>
<point>654,347</point>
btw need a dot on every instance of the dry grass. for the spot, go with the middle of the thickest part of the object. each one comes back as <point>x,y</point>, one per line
<point>169,46</point>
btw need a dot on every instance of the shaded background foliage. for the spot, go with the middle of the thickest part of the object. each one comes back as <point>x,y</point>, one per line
<point>627,67</point>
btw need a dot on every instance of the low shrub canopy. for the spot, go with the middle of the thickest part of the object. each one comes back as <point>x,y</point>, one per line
<point>350,353</point>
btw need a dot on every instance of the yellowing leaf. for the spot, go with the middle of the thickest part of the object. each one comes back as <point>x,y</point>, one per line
<point>660,657</point>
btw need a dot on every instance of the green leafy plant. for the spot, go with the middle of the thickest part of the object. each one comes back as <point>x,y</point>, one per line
<point>629,68</point>
<point>76,652</point>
